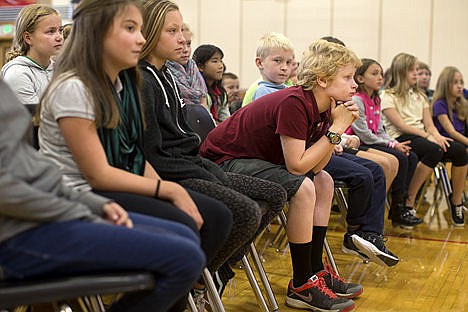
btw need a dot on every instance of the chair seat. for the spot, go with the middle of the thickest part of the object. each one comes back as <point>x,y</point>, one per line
<point>340,184</point>
<point>44,291</point>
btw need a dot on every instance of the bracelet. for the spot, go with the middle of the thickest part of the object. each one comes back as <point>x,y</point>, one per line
<point>158,184</point>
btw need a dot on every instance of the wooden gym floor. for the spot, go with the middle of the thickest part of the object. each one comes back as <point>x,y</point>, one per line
<point>432,274</point>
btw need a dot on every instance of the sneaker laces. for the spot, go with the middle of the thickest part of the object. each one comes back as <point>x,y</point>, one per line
<point>322,286</point>
<point>459,211</point>
<point>378,240</point>
<point>199,299</point>
<point>332,272</point>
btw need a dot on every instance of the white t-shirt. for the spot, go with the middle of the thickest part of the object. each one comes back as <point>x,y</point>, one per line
<point>411,112</point>
<point>67,99</point>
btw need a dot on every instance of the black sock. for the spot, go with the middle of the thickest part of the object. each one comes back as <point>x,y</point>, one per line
<point>318,238</point>
<point>302,271</point>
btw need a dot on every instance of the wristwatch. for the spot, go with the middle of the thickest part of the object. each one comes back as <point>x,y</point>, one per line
<point>333,137</point>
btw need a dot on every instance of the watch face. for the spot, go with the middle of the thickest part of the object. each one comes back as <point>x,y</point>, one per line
<point>334,138</point>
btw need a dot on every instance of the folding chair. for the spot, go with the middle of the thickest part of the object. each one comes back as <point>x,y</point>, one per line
<point>86,289</point>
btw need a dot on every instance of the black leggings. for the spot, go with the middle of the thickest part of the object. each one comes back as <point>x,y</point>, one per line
<point>217,217</point>
<point>406,167</point>
<point>239,196</point>
<point>430,153</point>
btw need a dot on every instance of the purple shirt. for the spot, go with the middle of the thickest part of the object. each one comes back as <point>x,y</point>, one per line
<point>441,108</point>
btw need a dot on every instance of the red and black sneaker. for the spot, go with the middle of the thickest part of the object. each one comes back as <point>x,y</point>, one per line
<point>339,286</point>
<point>316,296</point>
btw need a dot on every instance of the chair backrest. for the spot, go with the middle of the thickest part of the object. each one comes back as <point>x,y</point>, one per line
<point>35,138</point>
<point>199,119</point>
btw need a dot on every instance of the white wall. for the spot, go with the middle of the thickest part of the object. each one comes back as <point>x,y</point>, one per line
<point>432,30</point>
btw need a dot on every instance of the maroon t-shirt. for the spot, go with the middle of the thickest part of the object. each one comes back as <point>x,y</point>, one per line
<point>254,131</point>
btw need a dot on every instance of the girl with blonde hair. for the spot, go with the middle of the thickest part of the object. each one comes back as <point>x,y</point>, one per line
<point>408,118</point>
<point>38,37</point>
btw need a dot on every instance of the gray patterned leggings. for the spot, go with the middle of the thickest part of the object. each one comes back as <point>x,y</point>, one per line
<point>241,197</point>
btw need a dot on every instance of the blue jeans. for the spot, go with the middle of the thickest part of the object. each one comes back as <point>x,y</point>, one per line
<point>366,195</point>
<point>167,249</point>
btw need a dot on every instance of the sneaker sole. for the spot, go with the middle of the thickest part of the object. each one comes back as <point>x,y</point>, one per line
<point>354,252</point>
<point>350,295</point>
<point>299,304</point>
<point>373,253</point>
<point>403,226</point>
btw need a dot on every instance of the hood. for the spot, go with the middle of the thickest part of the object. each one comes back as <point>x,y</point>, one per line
<point>24,61</point>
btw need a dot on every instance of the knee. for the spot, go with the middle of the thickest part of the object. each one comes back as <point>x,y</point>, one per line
<point>324,182</point>
<point>306,191</point>
<point>393,164</point>
<point>433,156</point>
<point>248,215</point>
<point>459,155</point>
<point>193,268</point>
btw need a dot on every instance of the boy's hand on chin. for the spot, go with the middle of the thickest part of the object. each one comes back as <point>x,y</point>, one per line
<point>343,115</point>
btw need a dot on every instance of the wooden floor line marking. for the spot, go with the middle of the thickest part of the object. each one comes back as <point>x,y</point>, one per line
<point>431,239</point>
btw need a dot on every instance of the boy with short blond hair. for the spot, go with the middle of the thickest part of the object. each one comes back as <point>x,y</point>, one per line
<point>274,59</point>
<point>288,137</point>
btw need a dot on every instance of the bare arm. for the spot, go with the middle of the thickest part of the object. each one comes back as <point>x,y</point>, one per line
<point>92,161</point>
<point>448,126</point>
<point>150,172</point>
<point>434,136</point>
<point>394,117</point>
<point>300,160</point>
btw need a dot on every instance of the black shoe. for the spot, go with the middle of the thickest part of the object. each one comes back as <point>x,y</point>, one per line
<point>456,212</point>
<point>404,217</point>
<point>315,295</point>
<point>348,247</point>
<point>339,286</point>
<point>372,245</point>
<point>222,277</point>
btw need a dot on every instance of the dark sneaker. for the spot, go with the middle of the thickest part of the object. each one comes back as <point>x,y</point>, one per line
<point>339,286</point>
<point>348,247</point>
<point>456,212</point>
<point>372,245</point>
<point>315,295</point>
<point>222,277</point>
<point>405,217</point>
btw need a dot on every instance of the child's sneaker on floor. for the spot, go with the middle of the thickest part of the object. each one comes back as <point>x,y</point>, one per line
<point>339,286</point>
<point>457,214</point>
<point>315,295</point>
<point>199,297</point>
<point>371,245</point>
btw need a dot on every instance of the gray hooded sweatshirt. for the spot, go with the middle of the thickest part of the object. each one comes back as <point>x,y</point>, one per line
<point>31,188</point>
<point>27,79</point>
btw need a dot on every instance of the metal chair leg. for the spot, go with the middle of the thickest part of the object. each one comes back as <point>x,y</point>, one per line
<point>213,296</point>
<point>330,257</point>
<point>191,303</point>
<point>254,284</point>
<point>342,203</point>
<point>446,185</point>
<point>263,277</point>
